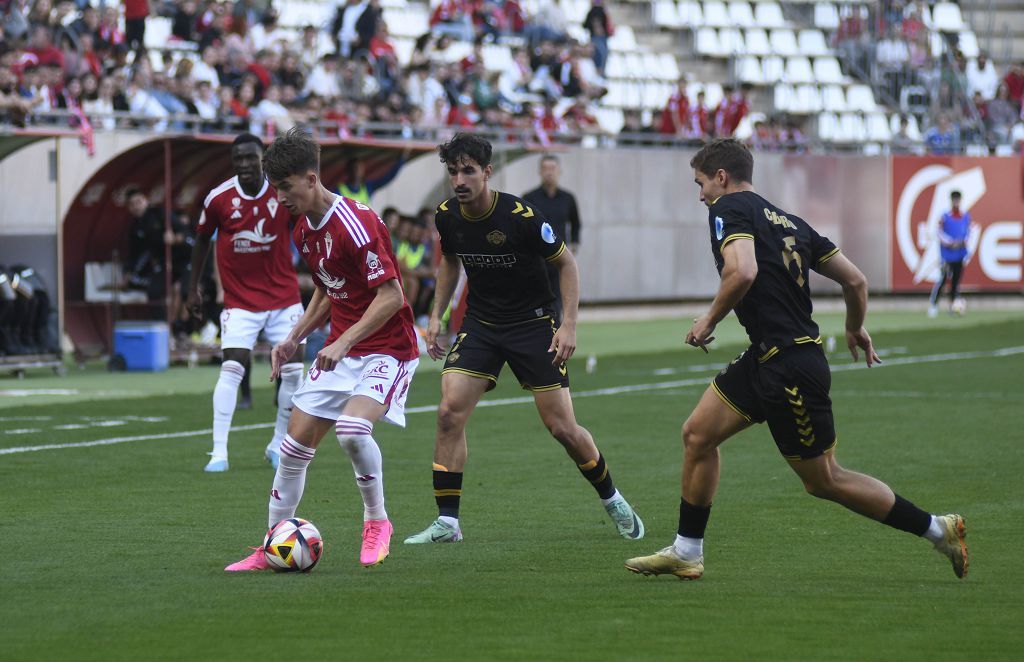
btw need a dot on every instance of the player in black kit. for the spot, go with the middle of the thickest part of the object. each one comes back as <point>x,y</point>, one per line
<point>763,256</point>
<point>504,244</point>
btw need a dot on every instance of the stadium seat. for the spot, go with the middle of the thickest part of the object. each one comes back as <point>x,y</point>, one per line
<point>713,94</point>
<point>769,15</point>
<point>731,41</point>
<point>798,70</point>
<point>783,42</point>
<point>913,130</point>
<point>861,98</point>
<point>690,15</point>
<point>623,39</point>
<point>665,15</point>
<point>828,126</point>
<point>827,70</point>
<point>706,43</point>
<point>946,17</point>
<point>774,68</point>
<point>652,65</point>
<point>655,95</point>
<point>497,57</point>
<point>757,42</point>
<point>614,97</point>
<point>812,43</point>
<point>784,97</point>
<point>631,97</point>
<point>1004,150</point>
<point>808,99</point>
<point>716,15</point>
<point>914,99</point>
<point>404,47</point>
<point>877,128</point>
<point>615,67</point>
<point>635,67</point>
<point>748,70</point>
<point>968,44</point>
<point>851,128</point>
<point>871,149</point>
<point>741,14</point>
<point>668,67</point>
<point>826,16</point>
<point>833,99</point>
<point>938,44</point>
<point>745,128</point>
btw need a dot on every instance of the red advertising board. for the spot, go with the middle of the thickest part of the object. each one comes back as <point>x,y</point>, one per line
<point>993,193</point>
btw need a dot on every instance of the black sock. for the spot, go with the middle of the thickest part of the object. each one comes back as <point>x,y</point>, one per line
<point>905,516</point>
<point>447,492</point>
<point>596,471</point>
<point>693,519</point>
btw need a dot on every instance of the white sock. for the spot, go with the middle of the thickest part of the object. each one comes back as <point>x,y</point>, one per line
<point>936,533</point>
<point>612,498</point>
<point>225,395</point>
<point>289,481</point>
<point>451,521</point>
<point>690,549</point>
<point>364,453</point>
<point>291,374</point>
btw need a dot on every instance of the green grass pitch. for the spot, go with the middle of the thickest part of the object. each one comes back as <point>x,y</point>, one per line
<point>116,551</point>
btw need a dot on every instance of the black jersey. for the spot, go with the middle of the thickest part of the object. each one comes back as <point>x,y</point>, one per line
<point>504,253</point>
<point>776,311</point>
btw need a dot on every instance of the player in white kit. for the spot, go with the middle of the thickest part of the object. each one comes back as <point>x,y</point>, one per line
<point>364,371</point>
<point>261,290</point>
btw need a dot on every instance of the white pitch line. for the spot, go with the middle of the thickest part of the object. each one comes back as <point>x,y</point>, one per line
<point>614,390</point>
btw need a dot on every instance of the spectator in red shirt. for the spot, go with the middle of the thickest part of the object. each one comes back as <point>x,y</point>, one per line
<point>676,118</point>
<point>135,13</point>
<point>1014,82</point>
<point>700,119</point>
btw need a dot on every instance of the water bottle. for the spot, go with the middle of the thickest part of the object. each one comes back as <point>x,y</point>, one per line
<point>591,364</point>
<point>830,344</point>
<point>193,358</point>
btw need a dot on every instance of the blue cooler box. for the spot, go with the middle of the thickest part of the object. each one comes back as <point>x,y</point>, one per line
<point>144,345</point>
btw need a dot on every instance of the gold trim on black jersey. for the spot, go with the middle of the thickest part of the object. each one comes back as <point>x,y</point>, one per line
<point>827,256</point>
<point>556,255</point>
<point>490,210</point>
<point>802,340</point>
<point>738,235</point>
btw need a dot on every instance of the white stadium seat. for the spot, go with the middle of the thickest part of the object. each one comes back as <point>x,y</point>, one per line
<point>861,98</point>
<point>716,15</point>
<point>610,119</point>
<point>812,43</point>
<point>826,16</point>
<point>774,68</point>
<point>757,42</point>
<point>851,128</point>
<point>690,14</point>
<point>665,15</point>
<point>946,17</point>
<point>808,99</point>
<point>769,15</point>
<point>784,97</point>
<point>913,130</point>
<point>748,70</point>
<point>706,43</point>
<point>827,70</point>
<point>798,70</point>
<point>615,67</point>
<point>668,67</point>
<point>833,99</point>
<point>877,128</point>
<point>828,126</point>
<point>783,42</point>
<point>731,41</point>
<point>623,39</point>
<point>741,14</point>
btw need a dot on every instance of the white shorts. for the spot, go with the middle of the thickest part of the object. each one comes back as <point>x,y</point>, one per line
<point>240,328</point>
<point>379,376</point>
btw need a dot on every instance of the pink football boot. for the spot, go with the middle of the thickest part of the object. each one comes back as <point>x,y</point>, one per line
<point>376,542</point>
<point>255,561</point>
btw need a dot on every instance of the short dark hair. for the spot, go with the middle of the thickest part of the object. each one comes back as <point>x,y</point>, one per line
<point>549,157</point>
<point>294,153</point>
<point>955,195</point>
<point>388,211</point>
<point>132,190</point>
<point>467,145</point>
<point>243,138</point>
<point>726,154</point>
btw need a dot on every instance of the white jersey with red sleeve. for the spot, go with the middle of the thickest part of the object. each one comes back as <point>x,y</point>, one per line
<point>254,251</point>
<point>349,255</point>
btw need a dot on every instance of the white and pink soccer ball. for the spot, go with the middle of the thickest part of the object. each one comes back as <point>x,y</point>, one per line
<point>293,545</point>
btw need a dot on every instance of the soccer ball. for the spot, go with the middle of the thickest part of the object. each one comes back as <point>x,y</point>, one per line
<point>959,306</point>
<point>293,545</point>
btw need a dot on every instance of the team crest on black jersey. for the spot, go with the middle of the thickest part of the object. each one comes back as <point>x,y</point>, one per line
<point>496,237</point>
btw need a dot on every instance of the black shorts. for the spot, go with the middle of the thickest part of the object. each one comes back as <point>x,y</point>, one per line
<point>788,389</point>
<point>480,350</point>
